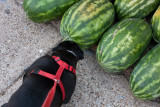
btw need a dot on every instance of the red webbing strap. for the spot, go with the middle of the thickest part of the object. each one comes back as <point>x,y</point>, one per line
<point>50,96</point>
<point>55,78</point>
<point>47,75</point>
<point>51,93</point>
<point>68,67</point>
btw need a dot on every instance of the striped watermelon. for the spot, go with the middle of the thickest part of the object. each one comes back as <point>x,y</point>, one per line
<point>156,25</point>
<point>123,44</point>
<point>86,20</point>
<point>46,10</point>
<point>145,78</point>
<point>134,8</point>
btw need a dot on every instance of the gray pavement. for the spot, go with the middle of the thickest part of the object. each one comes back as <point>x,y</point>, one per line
<point>22,42</point>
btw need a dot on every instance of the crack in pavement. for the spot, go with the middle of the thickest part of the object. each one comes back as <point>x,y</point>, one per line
<point>14,81</point>
<point>4,91</point>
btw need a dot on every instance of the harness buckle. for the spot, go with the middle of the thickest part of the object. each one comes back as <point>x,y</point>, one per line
<point>57,59</point>
<point>58,81</point>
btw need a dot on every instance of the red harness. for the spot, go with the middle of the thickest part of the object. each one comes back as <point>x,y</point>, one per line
<point>56,78</point>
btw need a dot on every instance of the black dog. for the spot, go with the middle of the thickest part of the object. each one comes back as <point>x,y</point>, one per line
<point>35,88</point>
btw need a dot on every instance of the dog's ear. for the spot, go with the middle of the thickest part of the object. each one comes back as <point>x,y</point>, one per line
<point>53,49</point>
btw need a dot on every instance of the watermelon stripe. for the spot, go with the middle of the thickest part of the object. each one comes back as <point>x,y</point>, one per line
<point>132,9</point>
<point>110,66</point>
<point>132,52</point>
<point>86,21</point>
<point>92,16</point>
<point>141,68</point>
<point>80,7</point>
<point>27,4</point>
<point>138,73</point>
<point>155,82</point>
<point>42,14</point>
<point>158,92</point>
<point>86,42</point>
<point>147,76</point>
<point>124,58</point>
<point>95,21</point>
<point>143,6</point>
<point>149,95</point>
<point>127,40</point>
<point>111,42</point>
<point>156,25</point>
<point>42,3</point>
<point>117,48</point>
<point>156,65</point>
<point>97,29</point>
<point>70,11</point>
<point>130,36</point>
<point>135,8</point>
<point>46,10</point>
<point>46,13</point>
<point>98,12</point>
<point>118,30</point>
<point>144,80</point>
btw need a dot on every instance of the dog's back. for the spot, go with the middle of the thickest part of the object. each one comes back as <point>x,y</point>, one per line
<point>33,91</point>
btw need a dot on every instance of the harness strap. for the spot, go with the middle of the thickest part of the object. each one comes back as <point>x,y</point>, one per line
<point>50,96</point>
<point>56,79</point>
<point>68,67</point>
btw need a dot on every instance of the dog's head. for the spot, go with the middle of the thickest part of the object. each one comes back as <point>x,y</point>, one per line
<point>70,46</point>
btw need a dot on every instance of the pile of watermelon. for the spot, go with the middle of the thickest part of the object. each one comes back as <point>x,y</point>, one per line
<point>121,29</point>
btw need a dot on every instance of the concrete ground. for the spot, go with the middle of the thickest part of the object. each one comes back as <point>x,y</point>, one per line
<point>22,42</point>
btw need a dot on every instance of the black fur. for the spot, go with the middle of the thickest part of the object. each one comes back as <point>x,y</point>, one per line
<point>35,88</point>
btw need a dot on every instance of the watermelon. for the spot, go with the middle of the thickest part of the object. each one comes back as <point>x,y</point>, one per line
<point>123,44</point>
<point>134,8</point>
<point>46,10</point>
<point>145,78</point>
<point>86,20</point>
<point>156,25</point>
